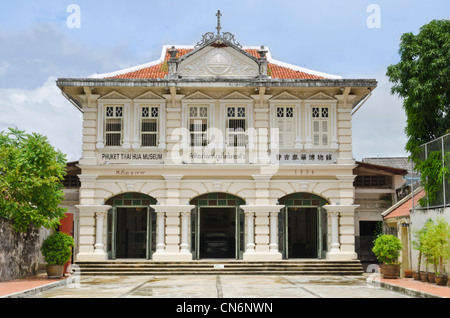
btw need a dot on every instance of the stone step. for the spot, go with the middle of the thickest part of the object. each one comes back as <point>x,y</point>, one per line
<point>314,267</point>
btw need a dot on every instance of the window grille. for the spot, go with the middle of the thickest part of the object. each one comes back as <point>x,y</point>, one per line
<point>373,181</point>
<point>236,126</point>
<point>113,127</point>
<point>149,126</point>
<point>198,125</point>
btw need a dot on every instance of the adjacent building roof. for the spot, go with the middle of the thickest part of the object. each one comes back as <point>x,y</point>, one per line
<point>390,169</point>
<point>395,162</point>
<point>403,207</point>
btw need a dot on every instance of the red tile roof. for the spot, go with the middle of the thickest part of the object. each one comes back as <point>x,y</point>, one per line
<point>160,70</point>
<point>405,208</point>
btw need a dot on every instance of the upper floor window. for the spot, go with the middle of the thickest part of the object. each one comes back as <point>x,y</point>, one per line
<point>236,126</point>
<point>113,125</point>
<point>198,125</point>
<point>149,126</point>
<point>320,126</point>
<point>286,126</point>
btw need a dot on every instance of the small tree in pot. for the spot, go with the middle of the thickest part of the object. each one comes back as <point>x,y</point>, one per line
<point>387,249</point>
<point>440,248</point>
<point>57,250</point>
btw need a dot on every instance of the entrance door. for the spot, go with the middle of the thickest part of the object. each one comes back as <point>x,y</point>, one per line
<point>131,226</point>
<point>217,233</point>
<point>302,233</point>
<point>217,226</point>
<point>131,236</point>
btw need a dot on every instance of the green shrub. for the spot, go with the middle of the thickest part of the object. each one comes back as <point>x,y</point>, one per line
<point>57,248</point>
<point>387,248</point>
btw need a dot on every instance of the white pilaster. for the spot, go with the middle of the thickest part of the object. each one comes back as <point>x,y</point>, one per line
<point>92,232</point>
<point>262,232</point>
<point>342,245</point>
<point>173,237</point>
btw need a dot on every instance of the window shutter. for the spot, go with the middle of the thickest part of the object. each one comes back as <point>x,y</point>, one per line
<point>316,132</point>
<point>324,133</point>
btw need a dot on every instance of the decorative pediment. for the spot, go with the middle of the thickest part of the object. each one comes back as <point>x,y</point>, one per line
<point>198,95</point>
<point>285,96</point>
<point>148,95</point>
<point>214,61</point>
<point>236,95</point>
<point>114,95</point>
<point>321,96</point>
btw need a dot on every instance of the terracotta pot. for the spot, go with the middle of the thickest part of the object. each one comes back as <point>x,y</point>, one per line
<point>416,275</point>
<point>424,276</point>
<point>441,280</point>
<point>55,271</point>
<point>408,273</point>
<point>431,277</point>
<point>391,271</point>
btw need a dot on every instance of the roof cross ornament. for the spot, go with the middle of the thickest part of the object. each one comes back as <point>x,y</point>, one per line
<point>218,15</point>
<point>209,37</point>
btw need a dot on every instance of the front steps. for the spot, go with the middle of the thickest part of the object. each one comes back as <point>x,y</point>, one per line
<point>218,266</point>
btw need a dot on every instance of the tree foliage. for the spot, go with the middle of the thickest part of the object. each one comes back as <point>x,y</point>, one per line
<point>422,79</point>
<point>31,171</point>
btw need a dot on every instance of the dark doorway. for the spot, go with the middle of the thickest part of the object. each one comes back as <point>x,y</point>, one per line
<point>131,239</point>
<point>302,233</point>
<point>217,232</point>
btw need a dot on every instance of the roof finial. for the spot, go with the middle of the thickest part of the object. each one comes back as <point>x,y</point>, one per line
<point>218,15</point>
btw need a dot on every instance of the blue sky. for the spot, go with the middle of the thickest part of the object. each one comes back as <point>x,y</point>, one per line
<point>37,46</point>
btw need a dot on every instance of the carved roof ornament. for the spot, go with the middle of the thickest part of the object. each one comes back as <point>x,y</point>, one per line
<point>219,38</point>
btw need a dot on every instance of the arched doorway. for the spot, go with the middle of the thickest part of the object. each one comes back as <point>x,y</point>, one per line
<point>302,226</point>
<point>217,226</point>
<point>131,226</point>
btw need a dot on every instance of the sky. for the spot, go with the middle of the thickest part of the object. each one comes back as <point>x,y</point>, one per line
<point>41,41</point>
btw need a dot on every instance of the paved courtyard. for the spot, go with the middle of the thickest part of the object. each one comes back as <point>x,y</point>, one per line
<point>221,286</point>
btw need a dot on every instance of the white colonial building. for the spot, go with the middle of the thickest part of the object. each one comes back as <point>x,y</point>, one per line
<point>216,151</point>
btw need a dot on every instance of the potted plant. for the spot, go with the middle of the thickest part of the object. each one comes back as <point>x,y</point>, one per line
<point>57,250</point>
<point>418,245</point>
<point>387,249</point>
<point>439,248</point>
<point>424,238</point>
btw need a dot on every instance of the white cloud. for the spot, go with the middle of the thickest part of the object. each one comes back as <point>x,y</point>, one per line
<point>4,66</point>
<point>45,111</point>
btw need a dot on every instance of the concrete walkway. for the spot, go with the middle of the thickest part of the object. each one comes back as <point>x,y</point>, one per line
<point>220,286</point>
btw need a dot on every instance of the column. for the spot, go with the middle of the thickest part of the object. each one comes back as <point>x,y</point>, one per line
<point>185,232</point>
<point>273,245</point>
<point>99,246</point>
<point>249,221</point>
<point>160,218</point>
<point>92,232</point>
<point>334,232</point>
